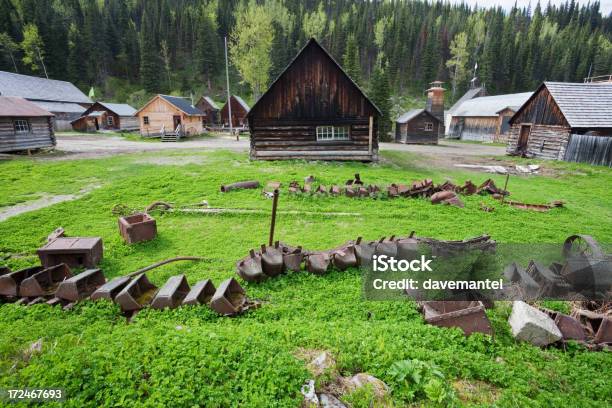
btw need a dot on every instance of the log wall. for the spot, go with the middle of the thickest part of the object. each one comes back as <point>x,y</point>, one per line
<point>161,113</point>
<point>545,141</point>
<point>40,136</point>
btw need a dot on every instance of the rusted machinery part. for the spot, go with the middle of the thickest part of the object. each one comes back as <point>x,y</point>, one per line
<point>158,205</point>
<point>164,262</point>
<point>240,185</point>
<point>57,233</point>
<point>584,245</point>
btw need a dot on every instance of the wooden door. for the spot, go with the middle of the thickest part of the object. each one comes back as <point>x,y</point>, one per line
<point>177,121</point>
<point>523,140</point>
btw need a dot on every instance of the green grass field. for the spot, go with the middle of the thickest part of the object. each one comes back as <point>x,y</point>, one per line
<point>191,357</point>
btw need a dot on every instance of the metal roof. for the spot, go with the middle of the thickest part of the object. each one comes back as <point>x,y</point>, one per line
<point>583,105</point>
<point>35,88</point>
<point>13,106</point>
<point>183,104</point>
<point>211,102</point>
<point>490,105</point>
<point>64,107</point>
<point>411,114</point>
<point>121,109</point>
<point>242,102</point>
<point>470,94</point>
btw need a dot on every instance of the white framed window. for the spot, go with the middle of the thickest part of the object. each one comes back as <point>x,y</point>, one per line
<point>145,120</point>
<point>21,126</point>
<point>325,133</point>
<point>110,121</point>
<point>428,126</point>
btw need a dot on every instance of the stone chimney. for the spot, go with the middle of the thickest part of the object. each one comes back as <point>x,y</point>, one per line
<point>435,101</point>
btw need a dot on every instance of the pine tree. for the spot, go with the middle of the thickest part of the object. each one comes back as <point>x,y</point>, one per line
<point>150,62</point>
<point>380,94</point>
<point>350,60</point>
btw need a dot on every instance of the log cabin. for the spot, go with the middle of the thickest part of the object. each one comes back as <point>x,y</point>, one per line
<point>210,110</point>
<point>478,119</point>
<point>314,111</point>
<point>240,109</point>
<point>417,126</point>
<point>24,125</point>
<point>106,116</point>
<point>164,115</point>
<point>565,121</point>
<point>64,100</point>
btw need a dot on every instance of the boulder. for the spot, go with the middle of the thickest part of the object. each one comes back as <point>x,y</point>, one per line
<point>532,325</point>
<point>321,363</point>
<point>360,380</point>
<point>329,401</point>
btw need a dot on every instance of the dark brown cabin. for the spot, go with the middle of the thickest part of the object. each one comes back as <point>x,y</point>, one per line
<point>24,125</point>
<point>314,111</point>
<point>565,121</point>
<point>106,116</point>
<point>210,110</point>
<point>240,109</point>
<point>417,126</point>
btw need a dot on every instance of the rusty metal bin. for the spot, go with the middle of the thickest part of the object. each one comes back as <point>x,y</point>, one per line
<point>344,258</point>
<point>9,283</point>
<point>137,294</point>
<point>292,258</point>
<point>81,286</point>
<point>75,252</point>
<point>387,247</point>
<point>250,268</point>
<point>45,282</point>
<point>137,228</point>
<point>364,252</point>
<point>466,315</point>
<point>570,328</point>
<point>318,263</point>
<point>272,260</point>
<point>111,289</point>
<point>200,294</point>
<point>172,294</point>
<point>604,332</point>
<point>407,248</point>
<point>229,299</point>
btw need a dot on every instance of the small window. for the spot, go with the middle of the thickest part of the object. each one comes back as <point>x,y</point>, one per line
<point>333,133</point>
<point>428,126</point>
<point>145,119</point>
<point>21,126</point>
<point>110,121</point>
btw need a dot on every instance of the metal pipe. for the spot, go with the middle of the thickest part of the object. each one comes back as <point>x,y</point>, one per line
<point>273,222</point>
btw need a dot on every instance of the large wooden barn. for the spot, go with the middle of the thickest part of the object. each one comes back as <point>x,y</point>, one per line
<point>314,111</point>
<point>24,125</point>
<point>417,126</point>
<point>240,109</point>
<point>210,110</point>
<point>565,121</point>
<point>106,116</point>
<point>64,100</point>
<point>169,115</point>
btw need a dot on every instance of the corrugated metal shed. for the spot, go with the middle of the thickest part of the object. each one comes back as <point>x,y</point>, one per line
<point>490,105</point>
<point>411,114</point>
<point>35,88</point>
<point>183,104</point>
<point>121,109</point>
<point>12,106</point>
<point>583,105</point>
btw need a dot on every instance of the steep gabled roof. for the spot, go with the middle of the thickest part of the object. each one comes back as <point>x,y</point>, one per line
<point>35,88</point>
<point>313,42</point>
<point>583,105</point>
<point>469,95</point>
<point>411,114</point>
<point>210,102</point>
<point>13,106</point>
<point>183,104</point>
<point>242,103</point>
<point>490,105</point>
<point>121,109</point>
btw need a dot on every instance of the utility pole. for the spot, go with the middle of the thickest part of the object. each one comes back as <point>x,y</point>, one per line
<point>229,105</point>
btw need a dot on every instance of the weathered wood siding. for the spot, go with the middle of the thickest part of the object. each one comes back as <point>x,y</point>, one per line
<point>545,141</point>
<point>239,114</point>
<point>128,123</point>
<point>503,125</point>
<point>413,131</point>
<point>40,136</point>
<point>482,129</point>
<point>590,149</point>
<point>312,92</point>
<point>211,115</point>
<point>161,113</point>
<point>540,109</point>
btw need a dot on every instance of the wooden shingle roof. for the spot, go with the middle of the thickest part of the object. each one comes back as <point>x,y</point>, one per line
<point>583,105</point>
<point>12,106</point>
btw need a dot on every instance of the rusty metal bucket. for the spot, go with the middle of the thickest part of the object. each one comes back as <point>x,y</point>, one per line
<point>292,258</point>
<point>407,248</point>
<point>307,188</point>
<point>350,192</point>
<point>200,294</point>
<point>137,228</point>
<point>530,289</point>
<point>354,181</point>
<point>318,263</point>
<point>387,247</point>
<point>137,294</point>
<point>392,191</point>
<point>604,332</point>
<point>466,315</point>
<point>250,268</point>
<point>570,328</point>
<point>45,282</point>
<point>229,299</point>
<point>335,190</point>
<point>363,192</point>
<point>272,260</point>
<point>364,252</point>
<point>9,283</point>
<point>80,286</point>
<point>172,294</point>
<point>111,289</point>
<point>344,258</point>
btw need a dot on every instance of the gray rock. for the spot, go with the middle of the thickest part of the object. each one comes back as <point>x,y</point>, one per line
<point>329,401</point>
<point>532,325</point>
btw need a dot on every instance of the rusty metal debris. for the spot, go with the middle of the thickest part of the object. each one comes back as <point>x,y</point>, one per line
<point>354,181</point>
<point>229,299</point>
<point>447,197</point>
<point>111,289</point>
<point>10,282</point>
<point>318,262</point>
<point>75,252</point>
<point>240,185</point>
<point>45,282</point>
<point>137,228</point>
<point>489,187</point>
<point>272,260</point>
<point>201,293</point>
<point>172,294</point>
<point>137,294</point>
<point>469,316</point>
<point>80,286</point>
<point>534,207</point>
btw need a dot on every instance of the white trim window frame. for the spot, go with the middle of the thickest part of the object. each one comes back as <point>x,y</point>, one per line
<point>21,126</point>
<point>110,120</point>
<point>333,133</point>
<point>429,126</point>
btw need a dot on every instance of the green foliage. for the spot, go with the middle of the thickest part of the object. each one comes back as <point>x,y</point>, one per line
<point>380,93</point>
<point>351,60</point>
<point>33,48</point>
<point>416,380</point>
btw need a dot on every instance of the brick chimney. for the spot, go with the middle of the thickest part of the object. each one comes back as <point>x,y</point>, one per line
<point>435,101</point>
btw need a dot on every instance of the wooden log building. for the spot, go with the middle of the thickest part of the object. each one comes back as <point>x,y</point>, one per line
<point>164,115</point>
<point>314,111</point>
<point>210,110</point>
<point>240,109</point>
<point>24,125</point>
<point>565,121</point>
<point>417,126</point>
<point>106,116</point>
<point>475,91</point>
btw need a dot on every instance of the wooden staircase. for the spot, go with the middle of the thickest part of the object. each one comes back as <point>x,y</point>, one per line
<point>173,136</point>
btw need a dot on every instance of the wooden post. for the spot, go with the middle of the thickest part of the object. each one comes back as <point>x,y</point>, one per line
<point>505,187</point>
<point>273,222</point>
<point>370,134</point>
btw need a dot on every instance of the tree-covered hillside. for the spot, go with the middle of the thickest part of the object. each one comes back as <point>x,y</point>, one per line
<point>129,49</point>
